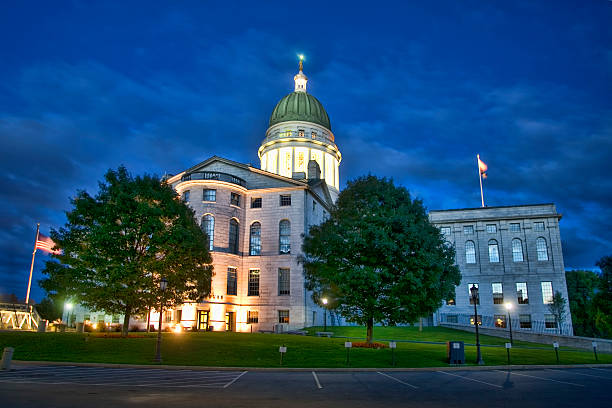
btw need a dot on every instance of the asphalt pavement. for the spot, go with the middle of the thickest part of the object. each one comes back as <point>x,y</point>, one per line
<point>75,386</point>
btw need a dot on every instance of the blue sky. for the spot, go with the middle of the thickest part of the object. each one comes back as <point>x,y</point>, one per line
<point>413,89</point>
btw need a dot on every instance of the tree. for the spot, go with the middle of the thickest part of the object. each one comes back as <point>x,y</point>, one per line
<point>557,308</point>
<point>379,257</point>
<point>118,245</point>
<point>602,302</point>
<point>581,288</point>
<point>48,309</point>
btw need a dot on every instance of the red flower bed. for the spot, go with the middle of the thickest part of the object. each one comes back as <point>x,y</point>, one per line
<point>363,344</point>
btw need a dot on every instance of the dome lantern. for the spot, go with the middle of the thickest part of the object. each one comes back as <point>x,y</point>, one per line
<point>300,79</point>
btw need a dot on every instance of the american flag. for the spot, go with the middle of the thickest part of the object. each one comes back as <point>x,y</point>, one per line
<point>46,244</point>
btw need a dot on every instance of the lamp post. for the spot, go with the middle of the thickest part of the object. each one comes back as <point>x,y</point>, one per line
<point>474,292</point>
<point>509,307</point>
<point>324,300</point>
<point>68,307</point>
<point>163,284</point>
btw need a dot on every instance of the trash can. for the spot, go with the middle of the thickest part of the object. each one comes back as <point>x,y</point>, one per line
<point>455,352</point>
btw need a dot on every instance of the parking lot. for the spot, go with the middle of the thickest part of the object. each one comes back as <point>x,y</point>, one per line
<point>29,386</point>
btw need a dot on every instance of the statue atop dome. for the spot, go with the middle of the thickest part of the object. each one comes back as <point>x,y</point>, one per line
<point>300,79</point>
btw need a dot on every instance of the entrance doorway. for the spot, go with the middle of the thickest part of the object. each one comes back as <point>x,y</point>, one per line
<point>230,321</point>
<point>203,319</point>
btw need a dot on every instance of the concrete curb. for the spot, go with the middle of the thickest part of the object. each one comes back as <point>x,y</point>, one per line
<point>320,369</point>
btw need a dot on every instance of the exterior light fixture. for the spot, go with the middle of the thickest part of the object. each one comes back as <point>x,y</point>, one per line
<point>474,293</point>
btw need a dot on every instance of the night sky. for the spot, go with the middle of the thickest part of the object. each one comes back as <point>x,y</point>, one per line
<point>413,90</point>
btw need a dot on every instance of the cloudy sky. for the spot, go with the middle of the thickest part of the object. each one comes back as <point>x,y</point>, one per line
<point>413,89</point>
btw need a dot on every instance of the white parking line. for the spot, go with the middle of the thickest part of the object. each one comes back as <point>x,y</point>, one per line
<point>235,379</point>
<point>316,380</point>
<point>575,373</point>
<point>470,379</point>
<point>541,378</point>
<point>399,381</point>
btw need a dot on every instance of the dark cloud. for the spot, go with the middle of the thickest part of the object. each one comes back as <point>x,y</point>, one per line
<point>412,93</point>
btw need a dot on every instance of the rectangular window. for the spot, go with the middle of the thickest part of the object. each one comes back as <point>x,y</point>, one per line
<point>468,229</point>
<point>500,321</point>
<point>538,226</point>
<point>179,315</point>
<point>445,230</point>
<point>186,195</point>
<point>235,199</point>
<point>253,282</point>
<point>283,281</point>
<point>525,321</point>
<point>232,281</point>
<point>547,293</point>
<point>233,237</point>
<point>285,200</point>
<point>491,228</point>
<point>515,227</point>
<point>498,294</point>
<point>314,206</point>
<point>452,319</point>
<point>256,202</point>
<point>313,135</point>
<point>168,316</point>
<point>301,132</point>
<point>450,302</point>
<point>549,321</point>
<point>479,320</point>
<point>470,285</point>
<point>521,293</point>
<point>283,316</point>
<point>209,195</point>
<point>86,317</point>
<point>252,316</point>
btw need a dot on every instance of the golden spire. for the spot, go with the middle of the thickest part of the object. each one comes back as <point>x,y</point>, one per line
<point>301,65</point>
<point>300,79</point>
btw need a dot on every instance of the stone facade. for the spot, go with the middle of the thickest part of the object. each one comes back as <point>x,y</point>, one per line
<point>514,244</point>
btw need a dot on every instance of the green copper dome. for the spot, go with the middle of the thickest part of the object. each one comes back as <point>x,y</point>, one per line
<point>300,106</point>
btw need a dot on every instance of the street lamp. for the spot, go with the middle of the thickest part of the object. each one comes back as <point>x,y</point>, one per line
<point>163,284</point>
<point>508,308</point>
<point>324,300</point>
<point>68,307</point>
<point>474,292</point>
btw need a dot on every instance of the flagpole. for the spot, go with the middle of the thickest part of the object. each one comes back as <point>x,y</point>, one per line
<point>32,265</point>
<point>480,179</point>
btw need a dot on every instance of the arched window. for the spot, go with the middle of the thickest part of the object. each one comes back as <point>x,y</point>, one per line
<point>517,250</point>
<point>470,252</point>
<point>233,236</point>
<point>541,249</point>
<point>284,237</point>
<point>255,239</point>
<point>493,251</point>
<point>208,226</point>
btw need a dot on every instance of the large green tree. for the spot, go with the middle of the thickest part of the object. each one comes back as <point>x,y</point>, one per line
<point>379,257</point>
<point>602,302</point>
<point>581,288</point>
<point>119,244</point>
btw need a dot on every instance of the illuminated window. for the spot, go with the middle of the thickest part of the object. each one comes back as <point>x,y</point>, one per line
<point>491,228</point>
<point>301,133</point>
<point>232,281</point>
<point>517,250</point>
<point>313,135</point>
<point>549,321</point>
<point>470,285</point>
<point>493,251</point>
<point>470,252</point>
<point>233,237</point>
<point>209,195</point>
<point>515,227</point>
<point>521,293</point>
<point>547,293</point>
<point>252,316</point>
<point>253,289</point>
<point>285,200</point>
<point>186,195</point>
<point>255,239</point>
<point>468,229</point>
<point>208,226</point>
<point>450,302</point>
<point>235,199</point>
<point>525,321</point>
<point>256,202</point>
<point>284,237</point>
<point>500,321</point>
<point>538,226</point>
<point>541,249</point>
<point>283,316</point>
<point>498,293</point>
<point>479,320</point>
<point>283,281</point>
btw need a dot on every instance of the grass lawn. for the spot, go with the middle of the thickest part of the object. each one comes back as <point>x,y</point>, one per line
<point>261,350</point>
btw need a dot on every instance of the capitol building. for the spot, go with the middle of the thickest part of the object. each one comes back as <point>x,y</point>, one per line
<point>256,217</point>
